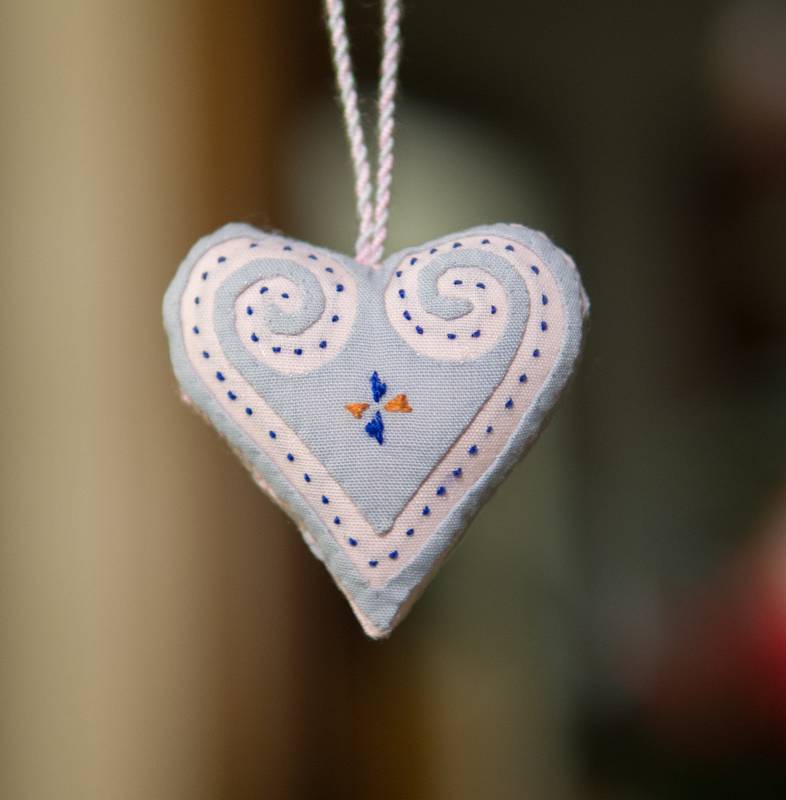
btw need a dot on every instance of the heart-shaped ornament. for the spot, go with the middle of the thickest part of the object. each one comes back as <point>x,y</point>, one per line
<point>378,406</point>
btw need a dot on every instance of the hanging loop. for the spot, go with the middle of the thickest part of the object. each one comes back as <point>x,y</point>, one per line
<point>372,201</point>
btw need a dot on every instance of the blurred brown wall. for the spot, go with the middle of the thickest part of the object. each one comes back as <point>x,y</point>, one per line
<point>126,669</point>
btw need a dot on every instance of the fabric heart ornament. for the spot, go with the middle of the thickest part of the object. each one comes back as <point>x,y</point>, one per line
<point>379,407</point>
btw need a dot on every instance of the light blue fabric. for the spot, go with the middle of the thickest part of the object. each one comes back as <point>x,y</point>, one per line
<point>380,480</point>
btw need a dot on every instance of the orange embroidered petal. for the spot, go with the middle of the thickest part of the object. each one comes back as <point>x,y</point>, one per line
<point>356,409</point>
<point>398,403</point>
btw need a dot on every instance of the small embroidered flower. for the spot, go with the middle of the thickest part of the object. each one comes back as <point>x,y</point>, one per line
<point>375,427</point>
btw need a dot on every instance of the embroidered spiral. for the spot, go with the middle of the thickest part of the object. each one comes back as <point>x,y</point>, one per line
<point>456,301</point>
<point>294,316</point>
<point>288,307</point>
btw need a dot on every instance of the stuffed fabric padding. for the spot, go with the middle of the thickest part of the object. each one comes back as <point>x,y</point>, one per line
<point>378,407</point>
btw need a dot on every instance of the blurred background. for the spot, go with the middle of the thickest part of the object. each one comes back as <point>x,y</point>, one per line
<point>613,626</point>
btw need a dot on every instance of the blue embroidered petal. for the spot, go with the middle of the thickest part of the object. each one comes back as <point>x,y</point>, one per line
<point>378,388</point>
<point>375,428</point>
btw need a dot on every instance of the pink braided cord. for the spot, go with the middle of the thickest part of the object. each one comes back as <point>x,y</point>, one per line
<point>372,216</point>
<point>388,79</point>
